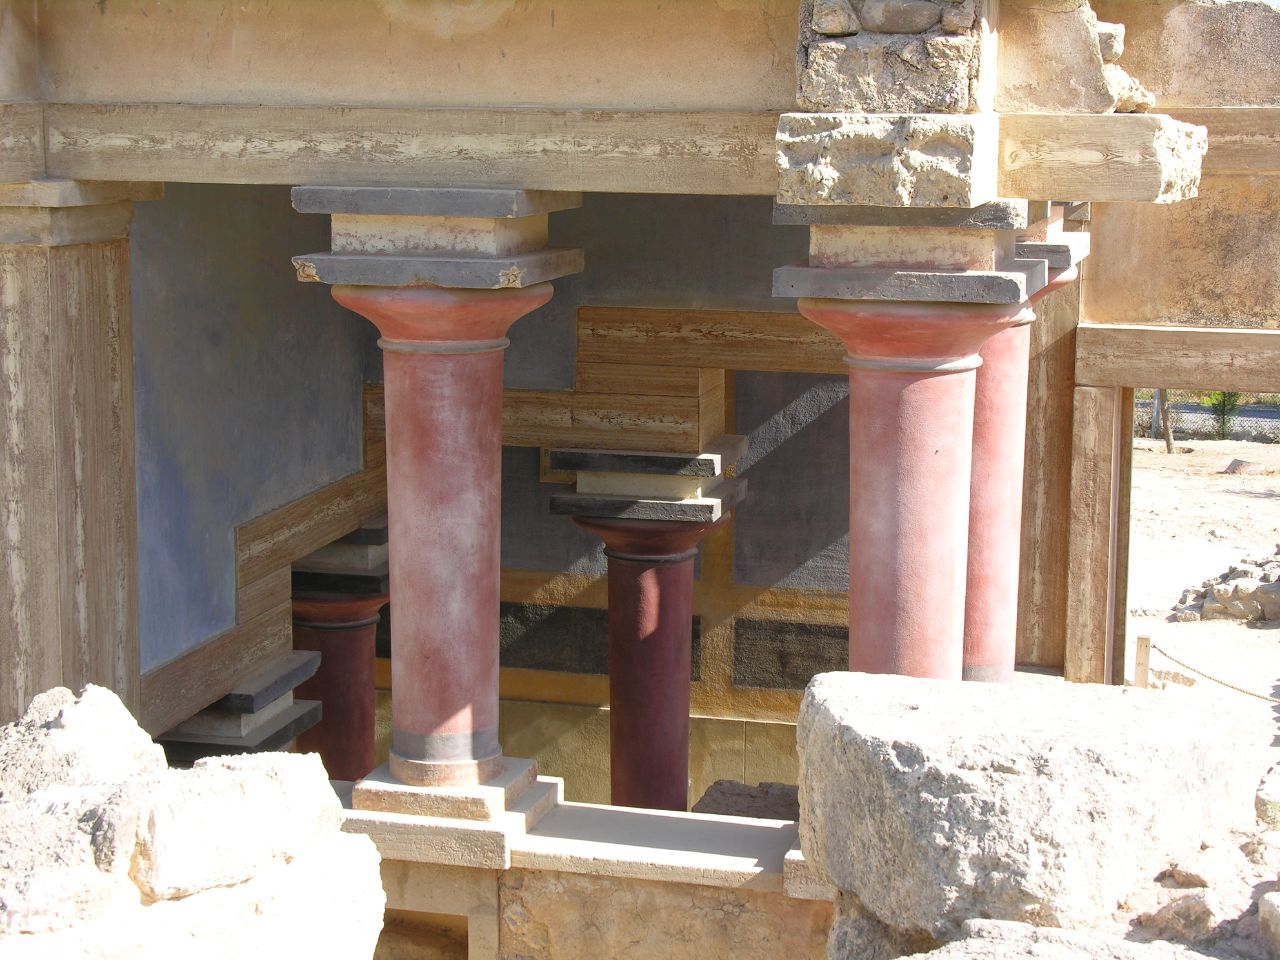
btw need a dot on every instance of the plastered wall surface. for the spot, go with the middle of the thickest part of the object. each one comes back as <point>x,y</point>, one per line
<point>1214,261</point>
<point>622,54</point>
<point>247,393</point>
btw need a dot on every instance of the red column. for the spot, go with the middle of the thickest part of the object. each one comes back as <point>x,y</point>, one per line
<point>995,504</point>
<point>443,381</point>
<point>342,628</point>
<point>911,402</point>
<point>650,650</point>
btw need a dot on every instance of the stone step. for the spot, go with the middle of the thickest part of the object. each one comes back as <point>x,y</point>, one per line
<point>533,804</point>
<point>380,791</point>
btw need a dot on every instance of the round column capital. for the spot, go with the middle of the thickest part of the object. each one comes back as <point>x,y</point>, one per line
<point>648,541</point>
<point>449,316</point>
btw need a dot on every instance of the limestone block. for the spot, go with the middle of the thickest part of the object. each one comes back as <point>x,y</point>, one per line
<point>834,18</point>
<point>1002,940</point>
<point>891,73</point>
<point>886,160</point>
<point>1051,60</point>
<point>1269,921</point>
<point>857,935</point>
<point>1110,41</point>
<point>938,802</point>
<point>1130,96</point>
<point>229,817</point>
<point>900,16</point>
<point>71,741</point>
<point>959,17</point>
<point>570,916</point>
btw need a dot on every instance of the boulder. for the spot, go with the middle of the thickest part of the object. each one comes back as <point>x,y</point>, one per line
<point>900,16</point>
<point>1269,922</point>
<point>834,18</point>
<point>936,802</point>
<point>997,940</point>
<point>1190,918</point>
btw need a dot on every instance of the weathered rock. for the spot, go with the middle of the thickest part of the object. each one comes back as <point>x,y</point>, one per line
<point>1130,96</point>
<point>890,73</point>
<point>900,16</point>
<point>1002,940</point>
<point>1051,62</point>
<point>887,161</point>
<point>1269,922</point>
<point>959,17</point>
<point>1245,467</point>
<point>857,935</point>
<point>771,801</point>
<point>1191,918</point>
<point>937,802</point>
<point>834,18</point>
<point>1266,801</point>
<point>1110,41</point>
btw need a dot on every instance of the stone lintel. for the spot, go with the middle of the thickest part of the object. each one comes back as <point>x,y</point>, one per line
<point>993,215</point>
<point>1016,283</point>
<point>76,193</point>
<point>888,160</point>
<point>493,202</point>
<point>1061,251</point>
<point>269,683</point>
<point>706,509</point>
<point>717,459</point>
<point>62,226</point>
<point>472,273</point>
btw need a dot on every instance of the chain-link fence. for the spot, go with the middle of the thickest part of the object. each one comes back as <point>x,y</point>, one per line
<point>1208,415</point>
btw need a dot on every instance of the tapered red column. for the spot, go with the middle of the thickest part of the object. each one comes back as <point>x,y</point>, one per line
<point>650,650</point>
<point>442,367</point>
<point>342,628</point>
<point>995,505</point>
<point>911,399</point>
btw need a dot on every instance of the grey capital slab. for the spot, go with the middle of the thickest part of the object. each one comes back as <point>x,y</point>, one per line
<point>710,463</point>
<point>466,273</point>
<point>706,509</point>
<point>295,720</point>
<point>489,202</point>
<point>993,215</point>
<point>1063,251</point>
<point>1012,285</point>
<point>270,683</point>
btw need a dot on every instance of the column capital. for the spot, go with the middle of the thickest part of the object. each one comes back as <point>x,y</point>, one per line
<point>440,319</point>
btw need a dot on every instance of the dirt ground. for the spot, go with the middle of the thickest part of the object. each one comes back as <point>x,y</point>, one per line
<point>1189,522</point>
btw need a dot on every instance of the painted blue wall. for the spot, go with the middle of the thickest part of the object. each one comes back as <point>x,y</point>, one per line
<point>247,393</point>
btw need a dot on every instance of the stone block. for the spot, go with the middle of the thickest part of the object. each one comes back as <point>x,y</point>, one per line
<point>711,463</point>
<point>218,723</point>
<point>1062,251</point>
<point>1051,60</point>
<point>993,215</point>
<point>468,273</point>
<point>1269,922</point>
<point>183,748</point>
<point>270,683</point>
<point>779,655</point>
<point>892,72</point>
<point>1012,285</point>
<point>769,801</point>
<point>716,502</point>
<point>494,202</point>
<point>938,802</point>
<point>887,160</point>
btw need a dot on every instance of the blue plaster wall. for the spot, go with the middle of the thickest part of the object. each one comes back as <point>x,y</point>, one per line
<point>247,393</point>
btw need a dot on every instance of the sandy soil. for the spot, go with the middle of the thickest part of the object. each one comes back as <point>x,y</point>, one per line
<point>1190,522</point>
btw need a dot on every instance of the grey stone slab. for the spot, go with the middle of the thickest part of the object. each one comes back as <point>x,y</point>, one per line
<point>467,273</point>
<point>1063,251</point>
<point>494,202</point>
<point>778,655</point>
<point>993,215</point>
<point>272,681</point>
<point>182,750</point>
<point>1014,285</point>
<point>1081,212</point>
<point>710,463</point>
<point>372,533</point>
<point>706,509</point>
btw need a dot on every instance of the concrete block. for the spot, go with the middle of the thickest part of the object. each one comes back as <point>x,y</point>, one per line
<point>888,160</point>
<point>992,215</point>
<point>719,500</point>
<point>270,683</point>
<point>433,201</point>
<point>468,273</point>
<point>713,462</point>
<point>1014,285</point>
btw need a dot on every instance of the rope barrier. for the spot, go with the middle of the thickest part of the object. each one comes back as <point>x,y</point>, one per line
<point>1229,686</point>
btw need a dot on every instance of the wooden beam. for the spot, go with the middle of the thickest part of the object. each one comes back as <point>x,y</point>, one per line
<point>1177,358</point>
<point>1080,157</point>
<point>21,141</point>
<point>1146,157</point>
<point>1046,488</point>
<point>187,684</point>
<point>1096,466</point>
<point>1242,140</point>
<point>646,380</point>
<point>730,339</point>
<point>592,150</point>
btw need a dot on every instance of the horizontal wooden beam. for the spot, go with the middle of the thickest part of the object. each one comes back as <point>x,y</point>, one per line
<point>1242,140</point>
<point>1079,157</point>
<point>21,141</point>
<point>1177,358</point>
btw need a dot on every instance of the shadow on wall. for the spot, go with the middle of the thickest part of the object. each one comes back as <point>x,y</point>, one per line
<point>247,392</point>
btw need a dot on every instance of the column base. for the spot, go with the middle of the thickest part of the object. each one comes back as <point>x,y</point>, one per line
<point>444,773</point>
<point>515,793</point>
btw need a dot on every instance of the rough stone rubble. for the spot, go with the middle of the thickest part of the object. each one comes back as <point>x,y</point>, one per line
<point>107,853</point>
<point>1129,817</point>
<point>1250,590</point>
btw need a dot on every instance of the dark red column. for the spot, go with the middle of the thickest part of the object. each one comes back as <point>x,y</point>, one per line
<point>650,652</point>
<point>911,401</point>
<point>342,629</point>
<point>995,499</point>
<point>443,381</point>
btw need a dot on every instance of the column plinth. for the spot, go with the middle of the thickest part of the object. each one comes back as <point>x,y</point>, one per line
<point>650,652</point>
<point>911,396</point>
<point>995,505</point>
<point>443,382</point>
<point>342,628</point>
